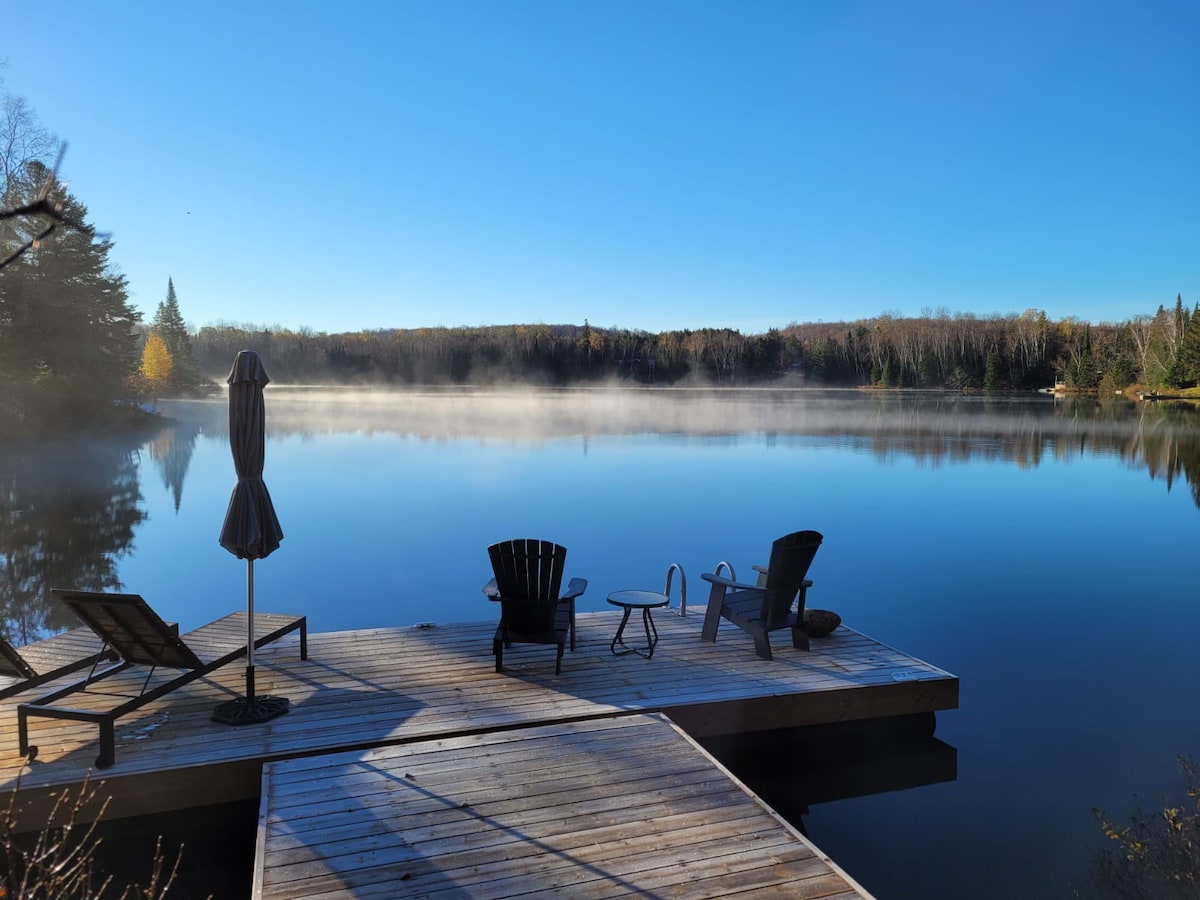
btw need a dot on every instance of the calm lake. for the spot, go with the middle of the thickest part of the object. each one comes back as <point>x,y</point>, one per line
<point>1041,549</point>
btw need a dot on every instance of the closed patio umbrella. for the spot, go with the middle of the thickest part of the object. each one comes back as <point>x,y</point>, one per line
<point>251,530</point>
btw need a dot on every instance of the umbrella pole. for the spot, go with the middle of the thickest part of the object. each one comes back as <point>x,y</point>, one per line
<point>251,709</point>
<point>250,629</point>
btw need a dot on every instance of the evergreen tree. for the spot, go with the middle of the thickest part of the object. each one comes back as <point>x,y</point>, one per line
<point>585,341</point>
<point>1080,371</point>
<point>67,345</point>
<point>991,372</point>
<point>1188,370</point>
<point>168,322</point>
<point>887,376</point>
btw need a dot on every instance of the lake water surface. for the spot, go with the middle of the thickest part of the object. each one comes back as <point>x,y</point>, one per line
<point>1042,550</point>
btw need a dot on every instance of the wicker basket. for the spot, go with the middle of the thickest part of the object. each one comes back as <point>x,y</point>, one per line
<point>819,622</point>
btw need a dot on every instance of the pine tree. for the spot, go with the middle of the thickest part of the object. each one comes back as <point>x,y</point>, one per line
<point>67,344</point>
<point>1081,366</point>
<point>586,341</point>
<point>1188,370</point>
<point>168,322</point>
<point>991,374</point>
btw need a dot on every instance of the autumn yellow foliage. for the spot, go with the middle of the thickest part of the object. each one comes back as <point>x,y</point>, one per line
<point>156,362</point>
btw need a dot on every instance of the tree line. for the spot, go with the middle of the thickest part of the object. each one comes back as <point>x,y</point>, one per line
<point>936,350</point>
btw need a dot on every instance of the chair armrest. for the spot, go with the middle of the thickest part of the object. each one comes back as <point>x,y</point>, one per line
<point>575,587</point>
<point>493,592</point>
<point>728,582</point>
<point>762,570</point>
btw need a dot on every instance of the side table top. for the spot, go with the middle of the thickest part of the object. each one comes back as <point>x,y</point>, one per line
<point>638,599</point>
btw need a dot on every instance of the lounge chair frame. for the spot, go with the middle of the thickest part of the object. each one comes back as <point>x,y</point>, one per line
<point>140,638</point>
<point>55,657</point>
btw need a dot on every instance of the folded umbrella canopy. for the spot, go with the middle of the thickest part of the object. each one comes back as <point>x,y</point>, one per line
<point>251,530</point>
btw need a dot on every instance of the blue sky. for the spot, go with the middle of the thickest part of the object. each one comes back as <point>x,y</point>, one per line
<point>645,164</point>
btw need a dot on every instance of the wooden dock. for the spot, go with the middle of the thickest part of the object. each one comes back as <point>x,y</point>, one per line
<point>595,808</point>
<point>408,685</point>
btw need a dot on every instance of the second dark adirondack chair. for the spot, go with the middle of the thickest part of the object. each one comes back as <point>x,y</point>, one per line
<point>766,606</point>
<point>528,574</point>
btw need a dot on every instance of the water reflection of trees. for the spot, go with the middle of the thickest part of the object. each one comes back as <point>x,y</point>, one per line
<point>67,514</point>
<point>1163,438</point>
<point>1167,444</point>
<point>933,428</point>
<point>171,450</point>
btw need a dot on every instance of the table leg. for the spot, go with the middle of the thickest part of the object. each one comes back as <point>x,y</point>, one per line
<point>620,632</point>
<point>648,624</point>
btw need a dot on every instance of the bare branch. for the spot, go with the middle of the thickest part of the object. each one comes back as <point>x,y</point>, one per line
<point>44,206</point>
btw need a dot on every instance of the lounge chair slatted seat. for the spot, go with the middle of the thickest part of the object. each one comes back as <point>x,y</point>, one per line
<point>141,639</point>
<point>45,660</point>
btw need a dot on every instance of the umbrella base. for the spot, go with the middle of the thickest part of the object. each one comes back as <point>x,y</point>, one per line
<point>250,711</point>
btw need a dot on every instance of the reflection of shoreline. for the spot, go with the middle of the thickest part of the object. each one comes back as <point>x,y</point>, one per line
<point>68,511</point>
<point>932,428</point>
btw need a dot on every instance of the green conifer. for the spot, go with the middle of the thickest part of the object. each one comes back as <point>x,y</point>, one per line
<point>68,347</point>
<point>168,322</point>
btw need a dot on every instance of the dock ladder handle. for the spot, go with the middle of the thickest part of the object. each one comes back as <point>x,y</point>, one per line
<point>727,567</point>
<point>682,587</point>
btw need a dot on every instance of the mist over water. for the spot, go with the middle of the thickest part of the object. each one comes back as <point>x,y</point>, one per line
<point>542,414</point>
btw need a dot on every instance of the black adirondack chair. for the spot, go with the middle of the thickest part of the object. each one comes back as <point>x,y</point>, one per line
<point>776,601</point>
<point>528,574</point>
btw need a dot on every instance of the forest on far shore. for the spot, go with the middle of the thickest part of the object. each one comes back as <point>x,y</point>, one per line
<point>954,351</point>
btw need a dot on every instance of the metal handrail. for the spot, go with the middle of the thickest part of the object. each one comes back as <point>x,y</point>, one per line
<point>671,569</point>
<point>727,567</point>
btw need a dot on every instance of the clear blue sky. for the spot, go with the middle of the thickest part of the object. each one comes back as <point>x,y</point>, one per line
<point>641,163</point>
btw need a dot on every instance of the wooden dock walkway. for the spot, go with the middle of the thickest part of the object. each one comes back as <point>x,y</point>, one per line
<point>596,808</point>
<point>362,689</point>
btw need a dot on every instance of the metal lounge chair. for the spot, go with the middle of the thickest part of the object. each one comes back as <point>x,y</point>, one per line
<point>527,576</point>
<point>134,631</point>
<point>42,661</point>
<point>767,606</point>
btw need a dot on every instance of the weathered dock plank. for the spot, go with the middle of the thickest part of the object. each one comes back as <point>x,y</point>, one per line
<point>608,807</point>
<point>399,685</point>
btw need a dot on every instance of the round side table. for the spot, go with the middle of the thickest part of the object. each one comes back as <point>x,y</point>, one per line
<point>629,601</point>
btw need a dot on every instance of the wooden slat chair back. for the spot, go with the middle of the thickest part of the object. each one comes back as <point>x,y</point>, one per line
<point>528,574</point>
<point>777,599</point>
<point>527,582</point>
<point>791,556</point>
